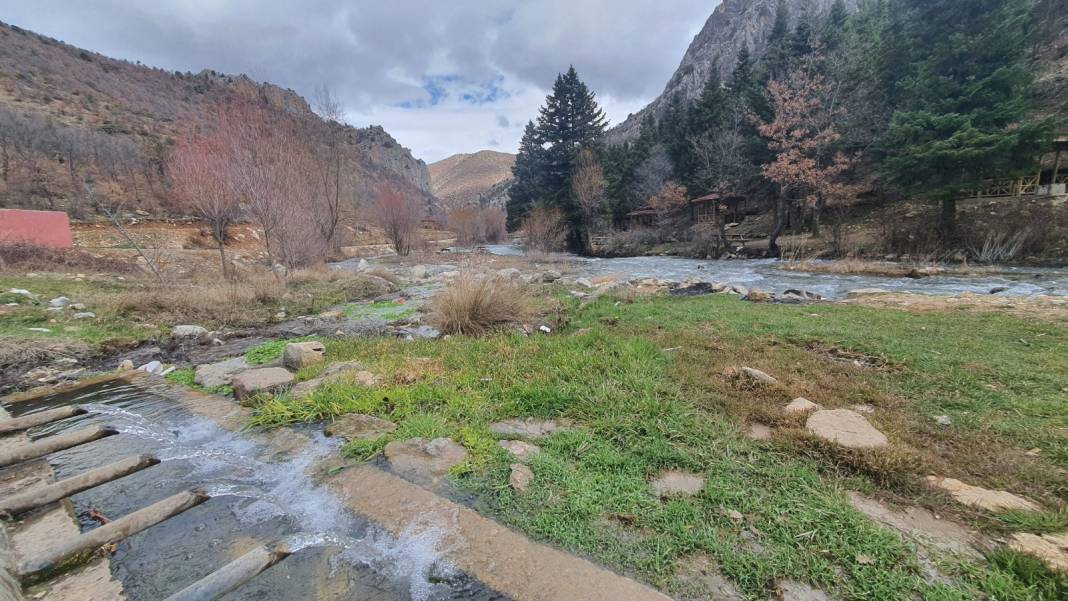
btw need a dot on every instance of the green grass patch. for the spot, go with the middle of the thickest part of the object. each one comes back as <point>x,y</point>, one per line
<point>272,350</point>
<point>642,410</point>
<point>384,310</point>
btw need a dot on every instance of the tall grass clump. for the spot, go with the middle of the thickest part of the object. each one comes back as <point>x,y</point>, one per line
<point>472,306</point>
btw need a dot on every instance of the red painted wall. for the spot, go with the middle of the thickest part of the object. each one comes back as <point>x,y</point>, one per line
<point>42,228</point>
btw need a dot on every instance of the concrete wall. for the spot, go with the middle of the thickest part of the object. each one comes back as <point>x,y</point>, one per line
<point>41,228</point>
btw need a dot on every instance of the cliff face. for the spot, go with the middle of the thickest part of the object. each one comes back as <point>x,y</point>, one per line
<point>150,106</point>
<point>466,179</point>
<point>733,24</point>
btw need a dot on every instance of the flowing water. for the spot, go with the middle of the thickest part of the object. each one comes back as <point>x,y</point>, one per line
<point>767,275</point>
<point>258,496</point>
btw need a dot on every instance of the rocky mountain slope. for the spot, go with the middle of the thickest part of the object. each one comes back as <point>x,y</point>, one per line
<point>733,24</point>
<point>146,107</point>
<point>465,179</point>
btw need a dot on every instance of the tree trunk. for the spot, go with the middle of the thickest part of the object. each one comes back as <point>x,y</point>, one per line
<point>817,211</point>
<point>780,225</point>
<point>947,225</point>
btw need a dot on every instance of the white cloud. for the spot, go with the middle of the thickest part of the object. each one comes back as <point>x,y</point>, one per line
<point>378,55</point>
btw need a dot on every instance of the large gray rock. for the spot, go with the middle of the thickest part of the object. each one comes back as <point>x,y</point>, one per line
<point>847,428</point>
<point>266,380</point>
<point>213,375</point>
<point>298,355</point>
<point>357,426</point>
<point>424,460</point>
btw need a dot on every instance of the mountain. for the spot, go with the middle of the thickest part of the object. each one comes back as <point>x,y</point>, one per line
<point>53,94</point>
<point>465,179</point>
<point>733,24</point>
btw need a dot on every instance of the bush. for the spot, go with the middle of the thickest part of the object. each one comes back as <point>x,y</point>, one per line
<point>630,243</point>
<point>28,256</point>
<point>545,230</point>
<point>473,306</point>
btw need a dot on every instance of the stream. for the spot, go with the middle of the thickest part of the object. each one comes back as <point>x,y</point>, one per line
<point>257,496</point>
<point>767,275</point>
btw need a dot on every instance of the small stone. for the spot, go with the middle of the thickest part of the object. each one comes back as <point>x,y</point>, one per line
<point>523,451</point>
<point>85,315</point>
<point>529,428</point>
<point>674,483</point>
<point>357,426</point>
<point>758,376</point>
<point>22,292</point>
<point>521,477</point>
<point>759,432</point>
<point>757,296</point>
<point>990,500</point>
<point>800,405</point>
<point>280,315</point>
<point>214,375</point>
<point>298,355</point>
<point>866,409</point>
<point>266,380</point>
<point>152,367</point>
<point>188,331</point>
<point>999,289</point>
<point>551,275</point>
<point>39,330</point>
<point>424,459</point>
<point>77,307</point>
<point>60,302</point>
<point>943,420</point>
<point>847,428</point>
<point>126,365</point>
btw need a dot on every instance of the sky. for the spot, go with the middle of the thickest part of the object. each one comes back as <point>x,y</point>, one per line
<point>442,76</point>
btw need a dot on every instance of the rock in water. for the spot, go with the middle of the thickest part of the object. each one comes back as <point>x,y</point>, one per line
<point>266,380</point>
<point>847,428</point>
<point>213,375</point>
<point>357,426</point>
<point>669,484</point>
<point>298,355</point>
<point>424,460</point>
<point>520,477</point>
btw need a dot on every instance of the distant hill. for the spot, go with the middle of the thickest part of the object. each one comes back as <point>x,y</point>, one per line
<point>58,94</point>
<point>478,178</point>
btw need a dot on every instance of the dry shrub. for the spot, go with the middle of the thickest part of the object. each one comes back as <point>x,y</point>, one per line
<point>366,286</point>
<point>313,275</point>
<point>28,256</point>
<point>386,275</point>
<point>473,306</point>
<point>545,230</point>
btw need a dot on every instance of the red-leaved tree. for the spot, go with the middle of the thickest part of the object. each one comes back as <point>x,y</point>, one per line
<point>198,168</point>
<point>399,216</point>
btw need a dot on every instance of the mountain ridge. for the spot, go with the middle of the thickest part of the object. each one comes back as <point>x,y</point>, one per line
<point>470,178</point>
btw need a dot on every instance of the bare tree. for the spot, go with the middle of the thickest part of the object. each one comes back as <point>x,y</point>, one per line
<point>399,216</point>
<point>588,189</point>
<point>545,229</point>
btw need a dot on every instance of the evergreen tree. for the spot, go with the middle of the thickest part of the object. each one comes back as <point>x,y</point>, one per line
<point>707,112</point>
<point>965,103</point>
<point>801,39</point>
<point>526,190</point>
<point>834,26</point>
<point>777,54</point>
<point>570,120</point>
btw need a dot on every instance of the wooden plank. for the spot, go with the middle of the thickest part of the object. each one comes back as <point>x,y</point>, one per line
<point>37,568</point>
<point>233,574</point>
<point>26,422</point>
<point>25,501</point>
<point>52,444</point>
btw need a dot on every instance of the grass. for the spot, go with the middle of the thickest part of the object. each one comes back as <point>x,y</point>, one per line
<point>473,306</point>
<point>384,310</point>
<point>643,409</point>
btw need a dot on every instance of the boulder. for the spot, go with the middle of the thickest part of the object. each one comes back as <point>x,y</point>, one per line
<point>424,460</point>
<point>60,302</point>
<point>356,426</point>
<point>758,376</point>
<point>189,332</point>
<point>214,375</point>
<point>990,500</point>
<point>847,428</point>
<point>550,275</point>
<point>256,381</point>
<point>521,477</point>
<point>523,451</point>
<point>800,405</point>
<point>298,355</point>
<point>672,484</point>
<point>529,428</point>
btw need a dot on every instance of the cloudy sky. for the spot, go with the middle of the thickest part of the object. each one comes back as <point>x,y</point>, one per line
<point>443,76</point>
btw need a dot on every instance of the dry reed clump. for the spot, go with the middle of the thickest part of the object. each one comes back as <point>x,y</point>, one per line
<point>28,256</point>
<point>239,302</point>
<point>472,306</point>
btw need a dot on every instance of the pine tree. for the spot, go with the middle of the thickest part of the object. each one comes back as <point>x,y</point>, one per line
<point>570,121</point>
<point>800,41</point>
<point>707,112</point>
<point>965,102</point>
<point>834,26</point>
<point>777,55</point>
<point>526,190</point>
